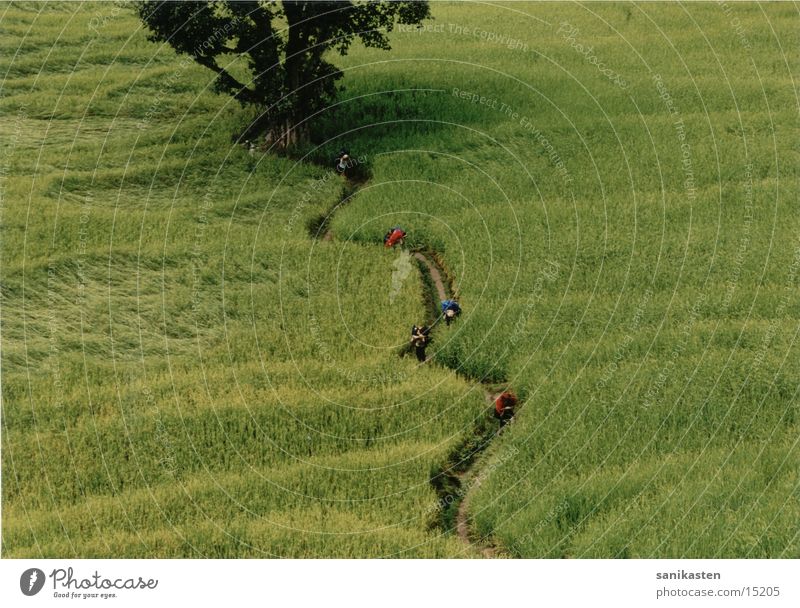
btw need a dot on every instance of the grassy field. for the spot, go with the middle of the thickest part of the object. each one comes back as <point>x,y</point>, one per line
<point>185,372</point>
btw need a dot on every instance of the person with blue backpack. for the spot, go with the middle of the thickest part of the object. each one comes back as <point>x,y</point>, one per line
<point>450,310</point>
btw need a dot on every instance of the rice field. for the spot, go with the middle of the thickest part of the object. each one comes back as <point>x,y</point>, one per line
<point>612,189</point>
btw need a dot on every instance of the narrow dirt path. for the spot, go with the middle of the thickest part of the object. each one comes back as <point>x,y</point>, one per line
<point>463,530</point>
<point>436,276</point>
<point>460,475</point>
<point>468,478</point>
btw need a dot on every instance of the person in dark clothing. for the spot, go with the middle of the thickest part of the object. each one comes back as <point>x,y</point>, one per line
<point>419,339</point>
<point>504,407</point>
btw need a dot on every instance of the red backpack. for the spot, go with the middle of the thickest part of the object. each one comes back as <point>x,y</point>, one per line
<point>396,235</point>
<point>505,400</point>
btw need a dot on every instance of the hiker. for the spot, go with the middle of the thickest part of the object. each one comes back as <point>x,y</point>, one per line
<point>393,237</point>
<point>450,310</point>
<point>504,407</point>
<point>420,338</point>
<point>342,162</point>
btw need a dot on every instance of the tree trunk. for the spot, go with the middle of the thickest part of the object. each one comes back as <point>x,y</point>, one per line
<point>284,136</point>
<point>295,48</point>
<point>290,130</point>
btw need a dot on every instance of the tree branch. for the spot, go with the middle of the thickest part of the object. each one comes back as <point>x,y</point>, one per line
<point>226,82</point>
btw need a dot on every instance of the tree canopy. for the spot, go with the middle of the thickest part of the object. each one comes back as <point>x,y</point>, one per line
<point>280,46</point>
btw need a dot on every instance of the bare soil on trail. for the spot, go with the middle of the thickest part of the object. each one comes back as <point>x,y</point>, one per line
<point>470,476</point>
<point>436,276</point>
<point>463,531</point>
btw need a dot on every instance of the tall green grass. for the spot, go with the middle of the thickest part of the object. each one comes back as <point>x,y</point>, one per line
<point>644,304</point>
<point>186,373</point>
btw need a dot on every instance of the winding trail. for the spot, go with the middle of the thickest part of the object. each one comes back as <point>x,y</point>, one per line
<point>436,276</point>
<point>460,474</point>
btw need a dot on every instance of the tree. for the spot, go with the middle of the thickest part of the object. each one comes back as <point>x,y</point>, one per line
<point>282,45</point>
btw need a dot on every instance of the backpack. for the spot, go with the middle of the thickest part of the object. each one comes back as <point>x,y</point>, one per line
<point>394,236</point>
<point>450,305</point>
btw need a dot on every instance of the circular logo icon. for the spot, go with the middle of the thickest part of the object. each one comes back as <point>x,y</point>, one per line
<point>31,581</point>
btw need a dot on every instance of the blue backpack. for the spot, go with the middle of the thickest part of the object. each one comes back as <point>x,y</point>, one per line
<point>450,305</point>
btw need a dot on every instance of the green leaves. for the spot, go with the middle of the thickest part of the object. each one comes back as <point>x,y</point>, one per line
<point>281,50</point>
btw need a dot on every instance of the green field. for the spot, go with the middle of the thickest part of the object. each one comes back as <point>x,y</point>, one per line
<point>186,372</point>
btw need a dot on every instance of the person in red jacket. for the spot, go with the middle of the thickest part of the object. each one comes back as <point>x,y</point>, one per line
<point>393,237</point>
<point>504,407</point>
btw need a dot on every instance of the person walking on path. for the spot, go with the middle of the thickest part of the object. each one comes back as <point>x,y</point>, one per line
<point>504,407</point>
<point>342,162</point>
<point>419,339</point>
<point>450,310</point>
